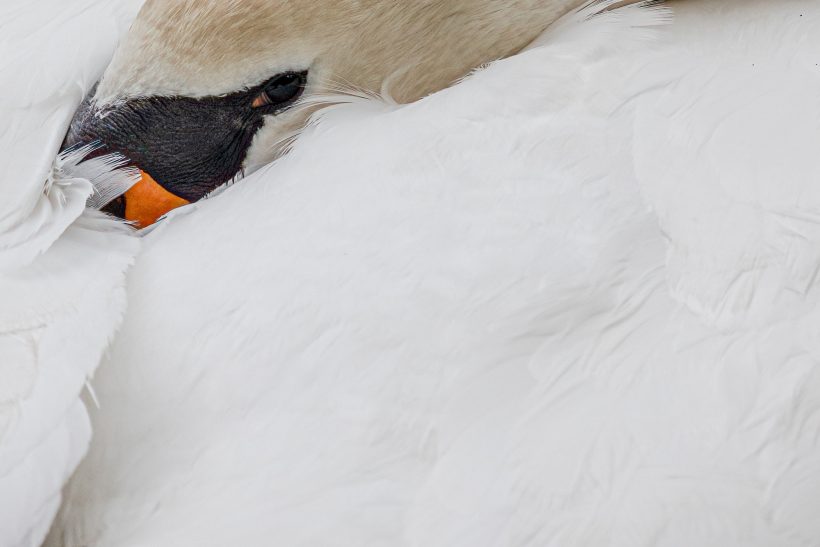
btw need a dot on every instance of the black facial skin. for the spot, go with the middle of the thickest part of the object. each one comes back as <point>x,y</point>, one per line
<point>189,146</point>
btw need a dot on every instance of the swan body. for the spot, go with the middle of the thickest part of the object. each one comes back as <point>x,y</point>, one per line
<point>571,300</point>
<point>577,310</point>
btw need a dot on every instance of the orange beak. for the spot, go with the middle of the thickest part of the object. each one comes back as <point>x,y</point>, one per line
<point>147,201</point>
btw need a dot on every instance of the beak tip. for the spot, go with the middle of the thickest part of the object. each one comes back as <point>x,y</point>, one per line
<point>147,201</point>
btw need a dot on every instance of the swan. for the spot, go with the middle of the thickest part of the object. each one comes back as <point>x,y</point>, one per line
<point>62,269</point>
<point>213,81</point>
<point>571,300</point>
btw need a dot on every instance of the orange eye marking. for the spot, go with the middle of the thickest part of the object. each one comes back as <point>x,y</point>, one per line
<point>147,201</point>
<point>260,101</point>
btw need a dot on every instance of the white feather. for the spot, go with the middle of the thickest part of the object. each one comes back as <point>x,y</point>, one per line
<point>109,175</point>
<point>62,270</point>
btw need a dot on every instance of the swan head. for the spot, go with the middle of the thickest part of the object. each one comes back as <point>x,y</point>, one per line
<point>200,91</point>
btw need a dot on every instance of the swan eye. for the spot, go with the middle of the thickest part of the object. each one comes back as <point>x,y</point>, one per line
<point>281,91</point>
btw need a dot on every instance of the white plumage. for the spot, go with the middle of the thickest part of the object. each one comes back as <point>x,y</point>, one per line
<point>572,300</point>
<point>61,274</point>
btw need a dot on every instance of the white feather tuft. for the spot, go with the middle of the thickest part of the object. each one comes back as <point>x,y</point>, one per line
<point>109,175</point>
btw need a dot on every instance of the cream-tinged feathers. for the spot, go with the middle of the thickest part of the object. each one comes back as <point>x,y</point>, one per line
<point>213,47</point>
<point>200,48</point>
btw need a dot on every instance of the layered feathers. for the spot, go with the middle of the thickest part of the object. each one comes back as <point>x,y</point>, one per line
<point>62,269</point>
<point>572,300</point>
